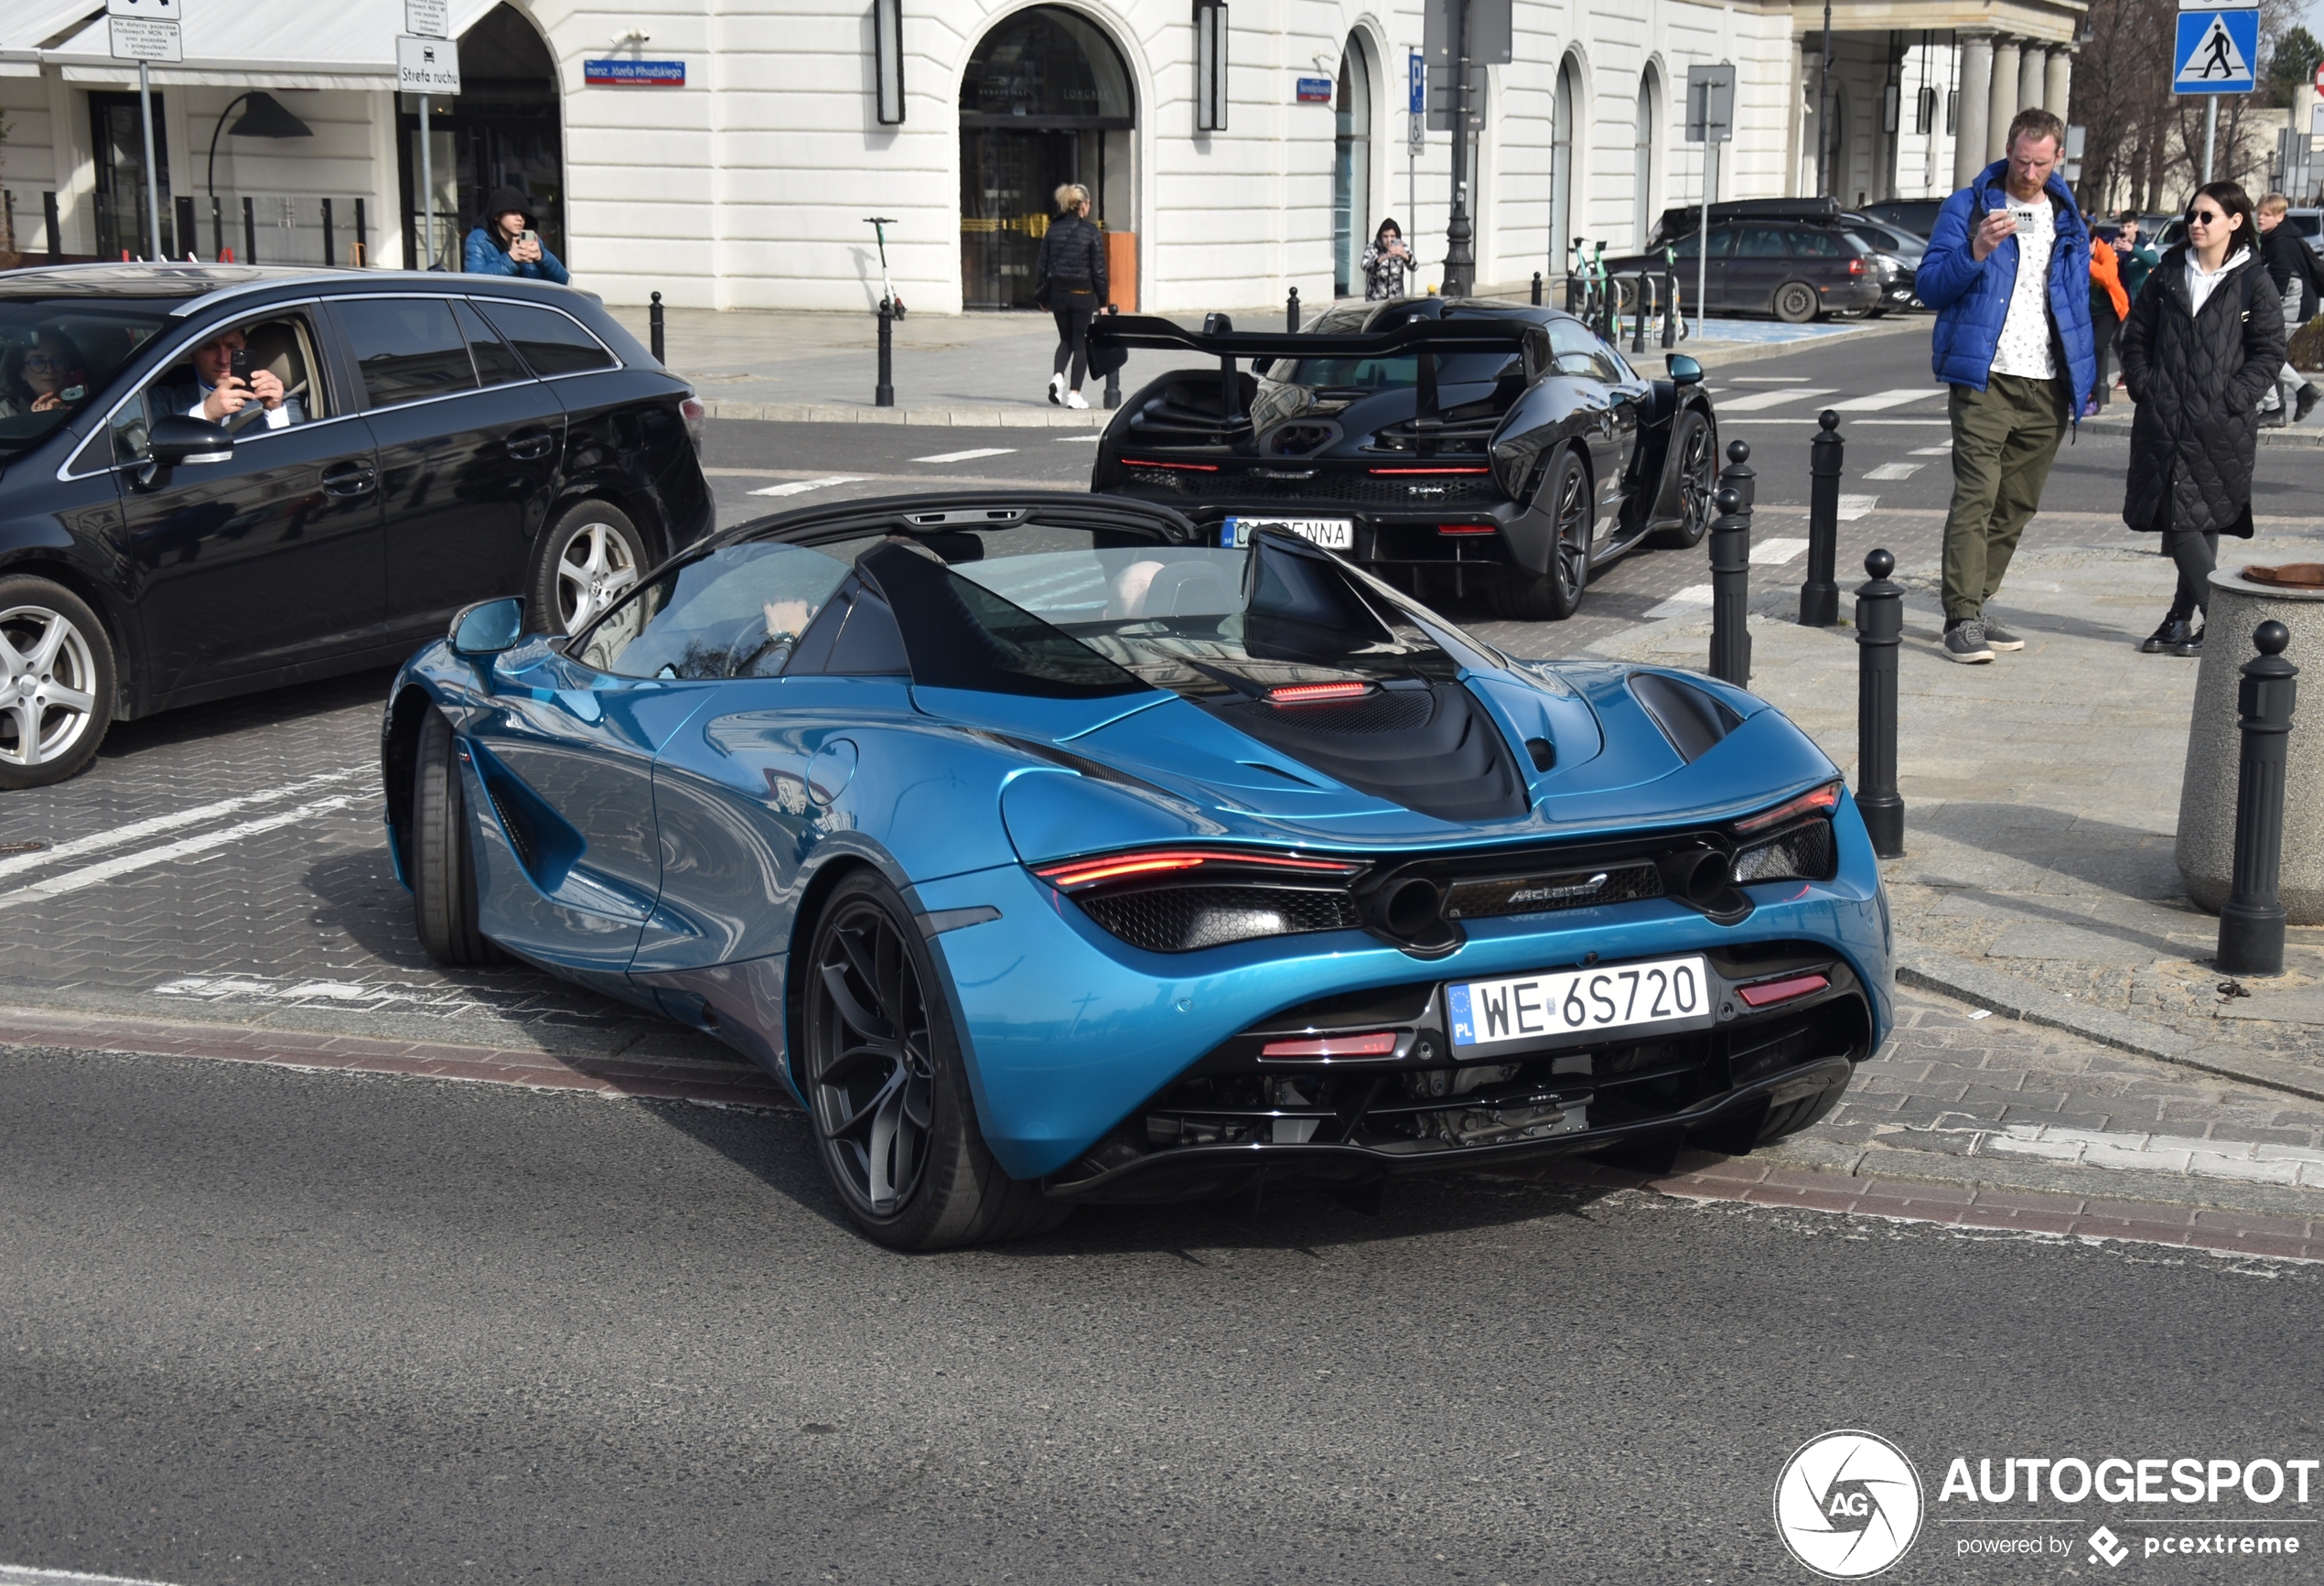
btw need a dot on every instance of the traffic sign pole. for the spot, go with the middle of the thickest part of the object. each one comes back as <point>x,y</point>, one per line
<point>2210,134</point>
<point>153,184</point>
<point>427,192</point>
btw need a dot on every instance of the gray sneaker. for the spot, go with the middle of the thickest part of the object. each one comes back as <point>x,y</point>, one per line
<point>1965,642</point>
<point>2000,638</point>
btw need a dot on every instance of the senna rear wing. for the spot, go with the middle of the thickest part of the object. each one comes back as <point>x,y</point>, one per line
<point>1113,335</point>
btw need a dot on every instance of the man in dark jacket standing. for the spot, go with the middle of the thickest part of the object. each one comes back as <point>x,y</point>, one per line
<point>2293,266</point>
<point>2007,271</point>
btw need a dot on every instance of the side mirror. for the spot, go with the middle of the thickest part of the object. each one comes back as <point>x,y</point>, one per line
<point>488,627</point>
<point>177,441</point>
<point>1684,369</point>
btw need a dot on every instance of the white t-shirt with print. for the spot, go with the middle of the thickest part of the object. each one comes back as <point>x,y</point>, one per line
<point>2024,349</point>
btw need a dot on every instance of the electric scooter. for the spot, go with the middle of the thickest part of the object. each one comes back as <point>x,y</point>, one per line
<point>880,225</point>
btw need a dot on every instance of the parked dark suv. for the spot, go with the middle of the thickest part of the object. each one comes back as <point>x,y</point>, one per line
<point>436,440</point>
<point>1795,269</point>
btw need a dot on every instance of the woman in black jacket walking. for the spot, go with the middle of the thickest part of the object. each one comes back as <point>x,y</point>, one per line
<point>1069,282</point>
<point>2202,348</point>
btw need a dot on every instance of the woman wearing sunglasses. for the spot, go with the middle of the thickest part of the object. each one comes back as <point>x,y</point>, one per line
<point>2202,346</point>
<point>44,377</point>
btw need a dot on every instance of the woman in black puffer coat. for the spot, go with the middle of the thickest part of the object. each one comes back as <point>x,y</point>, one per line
<point>1069,282</point>
<point>2202,347</point>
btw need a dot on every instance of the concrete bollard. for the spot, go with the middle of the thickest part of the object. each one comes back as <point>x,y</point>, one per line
<point>1879,629</point>
<point>1820,596</point>
<point>884,393</point>
<point>653,326</point>
<point>2251,923</point>
<point>1731,589</point>
<point>1291,310</point>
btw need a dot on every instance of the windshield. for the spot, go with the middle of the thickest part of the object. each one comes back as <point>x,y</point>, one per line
<point>1396,373</point>
<point>57,355</point>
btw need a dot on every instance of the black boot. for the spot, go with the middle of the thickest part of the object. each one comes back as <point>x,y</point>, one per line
<point>2175,632</point>
<point>2304,403</point>
<point>2190,647</point>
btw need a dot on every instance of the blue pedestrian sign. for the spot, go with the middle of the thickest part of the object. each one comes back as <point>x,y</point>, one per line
<point>2216,51</point>
<point>1418,83</point>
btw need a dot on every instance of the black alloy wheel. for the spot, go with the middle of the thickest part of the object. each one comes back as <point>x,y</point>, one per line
<point>441,856</point>
<point>1697,454</point>
<point>883,1074</point>
<point>56,682</point>
<point>1555,595</point>
<point>1795,303</point>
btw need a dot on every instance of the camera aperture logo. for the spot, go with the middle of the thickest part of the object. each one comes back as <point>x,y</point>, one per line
<point>1848,1504</point>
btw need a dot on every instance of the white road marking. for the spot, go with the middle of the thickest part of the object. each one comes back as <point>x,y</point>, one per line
<point>800,486</point>
<point>137,830</point>
<point>1759,400</point>
<point>1766,379</point>
<point>1693,599</point>
<point>1080,439</point>
<point>2244,1160</point>
<point>968,455</point>
<point>1944,450</point>
<point>1894,470</point>
<point>1881,399</point>
<point>1775,553</point>
<point>1853,507</point>
<point>17,1575</point>
<point>91,875</point>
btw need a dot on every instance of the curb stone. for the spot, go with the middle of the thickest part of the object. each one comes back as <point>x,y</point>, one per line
<point>1933,970</point>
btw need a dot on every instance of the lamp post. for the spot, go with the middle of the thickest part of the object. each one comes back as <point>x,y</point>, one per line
<point>1823,109</point>
<point>266,118</point>
<point>1461,257</point>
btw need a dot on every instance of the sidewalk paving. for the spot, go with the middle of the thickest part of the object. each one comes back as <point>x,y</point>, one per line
<point>2041,797</point>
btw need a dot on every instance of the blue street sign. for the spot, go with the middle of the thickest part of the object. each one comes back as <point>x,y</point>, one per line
<point>1418,77</point>
<point>2216,53</point>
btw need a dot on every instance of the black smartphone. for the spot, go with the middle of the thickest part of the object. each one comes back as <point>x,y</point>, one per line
<point>239,364</point>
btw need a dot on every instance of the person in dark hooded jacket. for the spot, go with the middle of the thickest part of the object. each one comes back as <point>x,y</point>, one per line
<point>1069,280</point>
<point>2203,344</point>
<point>498,246</point>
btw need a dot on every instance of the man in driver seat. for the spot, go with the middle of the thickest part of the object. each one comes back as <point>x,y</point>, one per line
<point>218,395</point>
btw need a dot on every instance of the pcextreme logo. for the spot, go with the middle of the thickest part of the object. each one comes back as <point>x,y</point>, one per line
<point>1848,1504</point>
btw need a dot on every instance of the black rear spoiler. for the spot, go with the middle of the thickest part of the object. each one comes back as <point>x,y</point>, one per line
<point>1113,335</point>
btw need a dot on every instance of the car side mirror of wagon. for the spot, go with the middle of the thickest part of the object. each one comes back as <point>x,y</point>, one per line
<point>488,627</point>
<point>1684,371</point>
<point>176,441</point>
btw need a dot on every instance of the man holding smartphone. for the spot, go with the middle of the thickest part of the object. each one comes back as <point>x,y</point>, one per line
<point>226,382</point>
<point>2007,271</point>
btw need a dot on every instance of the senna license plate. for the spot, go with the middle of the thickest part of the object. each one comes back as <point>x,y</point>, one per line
<point>1331,533</point>
<point>1660,994</point>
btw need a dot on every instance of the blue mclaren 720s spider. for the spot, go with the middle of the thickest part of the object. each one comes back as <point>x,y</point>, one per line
<point>1052,852</point>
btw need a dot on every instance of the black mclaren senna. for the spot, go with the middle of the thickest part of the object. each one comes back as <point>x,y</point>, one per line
<point>1453,447</point>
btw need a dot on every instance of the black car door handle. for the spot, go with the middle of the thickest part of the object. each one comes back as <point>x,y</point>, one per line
<point>528,444</point>
<point>350,479</point>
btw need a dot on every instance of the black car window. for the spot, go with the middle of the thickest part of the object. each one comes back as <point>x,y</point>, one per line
<point>281,344</point>
<point>496,362</point>
<point>1807,243</point>
<point>1580,353</point>
<point>1759,242</point>
<point>57,355</point>
<point>736,612</point>
<point>1722,243</point>
<point>408,348</point>
<point>550,341</point>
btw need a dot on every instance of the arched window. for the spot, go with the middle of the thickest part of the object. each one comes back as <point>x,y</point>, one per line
<point>1644,154</point>
<point>1563,185</point>
<point>1351,220</point>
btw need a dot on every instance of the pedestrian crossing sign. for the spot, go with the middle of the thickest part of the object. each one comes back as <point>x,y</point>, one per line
<point>2215,52</point>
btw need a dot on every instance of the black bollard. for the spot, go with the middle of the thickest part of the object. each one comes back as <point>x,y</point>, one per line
<point>1291,310</point>
<point>1638,321</point>
<point>653,327</point>
<point>1670,309</point>
<point>1537,288</point>
<point>1738,475</point>
<point>2251,923</point>
<point>1820,596</point>
<point>1731,589</point>
<point>1879,627</point>
<point>884,394</point>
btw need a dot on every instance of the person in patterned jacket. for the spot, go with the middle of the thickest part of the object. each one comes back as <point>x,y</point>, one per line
<point>1386,264</point>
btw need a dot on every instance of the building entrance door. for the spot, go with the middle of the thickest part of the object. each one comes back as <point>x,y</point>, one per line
<point>120,141</point>
<point>1046,102</point>
<point>503,131</point>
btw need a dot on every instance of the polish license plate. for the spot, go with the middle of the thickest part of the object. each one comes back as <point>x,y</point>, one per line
<point>1331,533</point>
<point>1660,994</point>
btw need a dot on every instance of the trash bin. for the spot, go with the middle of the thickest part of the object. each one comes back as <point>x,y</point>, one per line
<point>2207,795</point>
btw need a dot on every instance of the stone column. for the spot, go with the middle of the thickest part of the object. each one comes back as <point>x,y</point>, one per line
<point>2060,85</point>
<point>2032,84</point>
<point>2003,103</point>
<point>1973,88</point>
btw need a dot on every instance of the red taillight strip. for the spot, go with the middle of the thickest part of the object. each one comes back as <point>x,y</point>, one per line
<point>1816,801</point>
<point>1768,992</point>
<point>1381,1043</point>
<point>1316,693</point>
<point>1429,471</point>
<point>1072,874</point>
<point>1468,528</point>
<point>1189,467</point>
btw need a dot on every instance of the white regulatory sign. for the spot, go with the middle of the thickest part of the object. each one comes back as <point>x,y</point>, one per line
<point>427,64</point>
<point>145,39</point>
<point>150,10</point>
<point>428,19</point>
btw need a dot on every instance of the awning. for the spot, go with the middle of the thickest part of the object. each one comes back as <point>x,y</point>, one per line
<point>239,43</point>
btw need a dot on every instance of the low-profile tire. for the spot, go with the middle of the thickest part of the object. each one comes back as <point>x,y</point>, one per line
<point>442,860</point>
<point>887,1091</point>
<point>1795,303</point>
<point>1553,596</point>
<point>588,558</point>
<point>1694,453</point>
<point>1762,1125</point>
<point>56,682</point>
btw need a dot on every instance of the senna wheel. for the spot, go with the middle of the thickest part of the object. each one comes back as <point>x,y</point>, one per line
<point>1695,454</point>
<point>888,1090</point>
<point>442,858</point>
<point>56,682</point>
<point>1554,595</point>
<point>1795,303</point>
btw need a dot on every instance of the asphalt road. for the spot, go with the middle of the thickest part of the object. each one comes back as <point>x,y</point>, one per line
<point>271,1327</point>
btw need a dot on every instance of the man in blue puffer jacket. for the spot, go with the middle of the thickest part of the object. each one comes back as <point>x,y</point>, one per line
<point>2007,271</point>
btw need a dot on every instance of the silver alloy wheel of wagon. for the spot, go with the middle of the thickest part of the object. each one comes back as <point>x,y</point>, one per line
<point>595,567</point>
<point>49,685</point>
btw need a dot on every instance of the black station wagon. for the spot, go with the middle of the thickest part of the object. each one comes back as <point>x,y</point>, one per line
<point>218,479</point>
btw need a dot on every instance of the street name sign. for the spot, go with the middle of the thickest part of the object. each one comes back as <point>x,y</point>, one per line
<point>2217,49</point>
<point>426,65</point>
<point>428,19</point>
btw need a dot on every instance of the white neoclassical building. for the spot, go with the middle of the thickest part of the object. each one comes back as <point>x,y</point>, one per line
<point>728,153</point>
